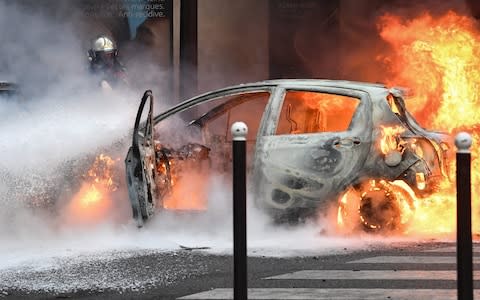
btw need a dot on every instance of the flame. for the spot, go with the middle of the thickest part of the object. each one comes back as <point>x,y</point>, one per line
<point>188,186</point>
<point>359,203</point>
<point>439,59</point>
<point>101,172</point>
<point>93,201</point>
<point>337,109</point>
<point>390,140</point>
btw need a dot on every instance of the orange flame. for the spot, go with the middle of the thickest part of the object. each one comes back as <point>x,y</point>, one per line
<point>390,139</point>
<point>188,192</point>
<point>439,59</point>
<point>101,172</point>
<point>93,201</point>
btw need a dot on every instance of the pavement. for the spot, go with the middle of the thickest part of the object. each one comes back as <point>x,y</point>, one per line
<point>406,270</point>
<point>402,273</point>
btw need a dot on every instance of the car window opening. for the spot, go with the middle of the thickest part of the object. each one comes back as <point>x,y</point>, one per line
<point>313,112</point>
<point>183,170</point>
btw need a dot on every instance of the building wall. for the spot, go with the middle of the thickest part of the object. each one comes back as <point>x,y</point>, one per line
<point>232,42</point>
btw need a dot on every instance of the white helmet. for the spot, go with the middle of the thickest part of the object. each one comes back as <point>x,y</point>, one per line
<point>101,46</point>
<point>104,44</point>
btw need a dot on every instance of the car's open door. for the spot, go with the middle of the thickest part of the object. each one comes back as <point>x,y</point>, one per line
<point>140,165</point>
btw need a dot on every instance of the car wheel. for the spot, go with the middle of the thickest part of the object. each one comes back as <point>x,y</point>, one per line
<point>377,206</point>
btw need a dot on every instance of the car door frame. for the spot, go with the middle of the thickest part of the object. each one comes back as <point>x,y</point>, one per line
<point>362,116</point>
<point>141,185</point>
<point>206,97</point>
<point>140,190</point>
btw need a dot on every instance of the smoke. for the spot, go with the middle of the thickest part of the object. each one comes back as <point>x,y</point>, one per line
<point>213,228</point>
<point>36,53</point>
<point>59,121</point>
<point>50,138</point>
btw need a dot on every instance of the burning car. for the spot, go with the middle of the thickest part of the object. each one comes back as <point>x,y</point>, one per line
<point>310,144</point>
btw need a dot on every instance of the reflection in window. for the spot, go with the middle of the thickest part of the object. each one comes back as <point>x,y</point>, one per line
<point>310,112</point>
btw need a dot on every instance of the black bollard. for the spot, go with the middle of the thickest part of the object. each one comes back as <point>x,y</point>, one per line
<point>239,132</point>
<point>463,141</point>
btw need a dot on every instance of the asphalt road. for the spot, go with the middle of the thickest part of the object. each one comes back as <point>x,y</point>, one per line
<point>408,270</point>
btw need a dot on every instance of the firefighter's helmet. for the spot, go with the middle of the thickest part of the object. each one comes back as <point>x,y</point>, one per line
<point>102,45</point>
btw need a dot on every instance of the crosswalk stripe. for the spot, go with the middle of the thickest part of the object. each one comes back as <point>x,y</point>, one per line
<point>410,260</point>
<point>361,293</point>
<point>329,293</point>
<point>371,274</point>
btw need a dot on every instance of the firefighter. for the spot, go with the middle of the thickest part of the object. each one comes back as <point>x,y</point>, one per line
<point>104,63</point>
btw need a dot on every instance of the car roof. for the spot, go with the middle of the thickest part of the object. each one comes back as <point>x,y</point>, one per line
<point>326,83</point>
<point>307,83</point>
<point>371,88</point>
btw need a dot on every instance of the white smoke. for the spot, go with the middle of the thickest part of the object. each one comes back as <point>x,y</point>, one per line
<point>63,121</point>
<point>60,120</point>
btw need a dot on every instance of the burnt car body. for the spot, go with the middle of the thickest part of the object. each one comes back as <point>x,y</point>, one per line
<point>309,142</point>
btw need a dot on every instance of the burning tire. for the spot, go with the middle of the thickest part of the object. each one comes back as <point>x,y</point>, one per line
<point>377,206</point>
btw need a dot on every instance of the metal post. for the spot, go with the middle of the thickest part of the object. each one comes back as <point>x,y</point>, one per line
<point>463,141</point>
<point>188,48</point>
<point>239,132</point>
